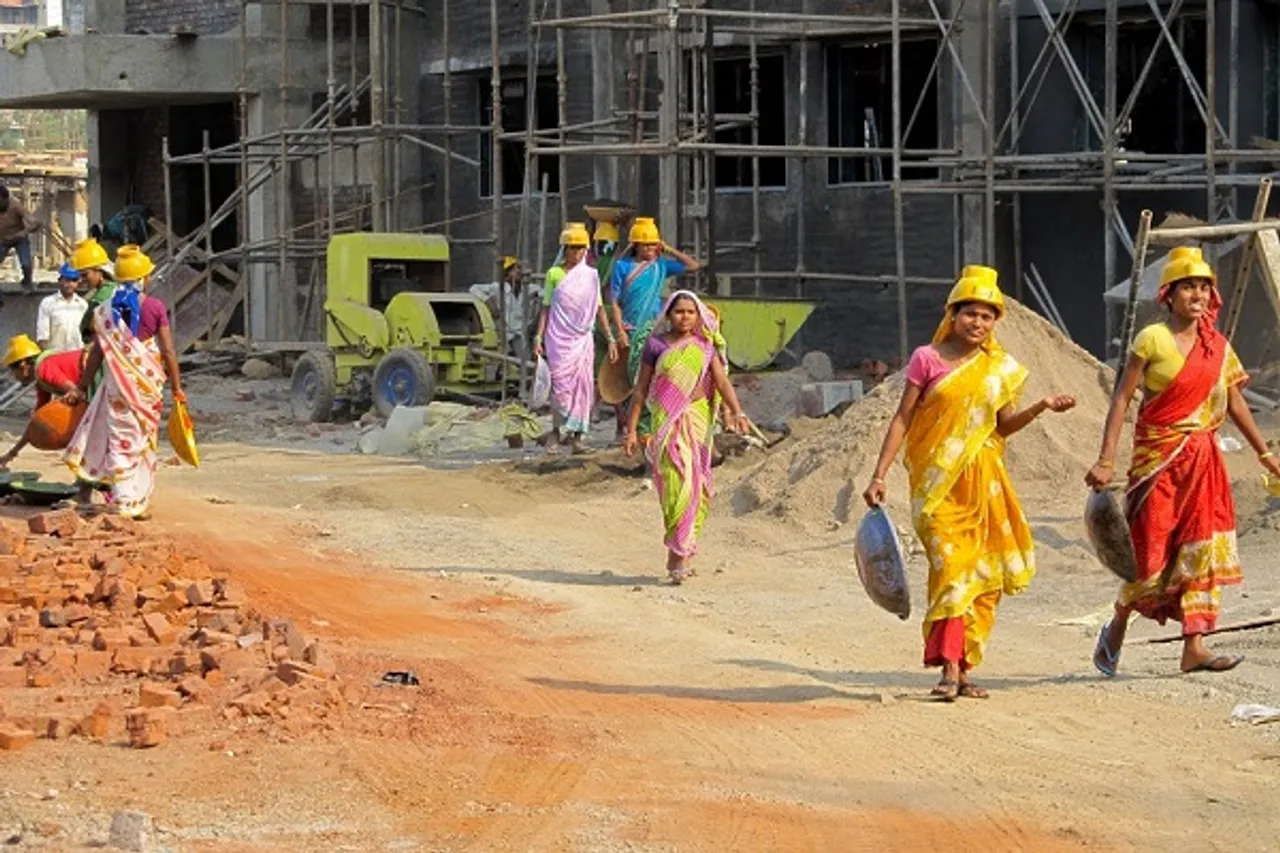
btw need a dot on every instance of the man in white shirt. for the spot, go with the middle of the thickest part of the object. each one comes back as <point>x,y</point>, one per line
<point>519,305</point>
<point>58,320</point>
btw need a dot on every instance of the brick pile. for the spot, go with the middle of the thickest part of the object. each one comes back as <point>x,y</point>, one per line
<point>87,607</point>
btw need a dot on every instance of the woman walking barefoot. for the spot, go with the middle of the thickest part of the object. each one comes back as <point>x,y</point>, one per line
<point>957,410</point>
<point>683,370</point>
<point>1181,513</point>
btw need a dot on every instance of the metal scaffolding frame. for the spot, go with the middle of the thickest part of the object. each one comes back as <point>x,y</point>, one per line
<point>676,41</point>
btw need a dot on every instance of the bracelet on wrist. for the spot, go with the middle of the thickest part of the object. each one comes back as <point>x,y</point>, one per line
<point>1103,463</point>
<point>1267,455</point>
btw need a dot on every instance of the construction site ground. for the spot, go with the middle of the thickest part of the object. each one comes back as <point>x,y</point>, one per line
<point>570,701</point>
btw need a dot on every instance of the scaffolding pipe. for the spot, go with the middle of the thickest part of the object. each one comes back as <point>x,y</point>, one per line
<point>495,164</point>
<point>899,237</point>
<point>283,289</point>
<point>377,108</point>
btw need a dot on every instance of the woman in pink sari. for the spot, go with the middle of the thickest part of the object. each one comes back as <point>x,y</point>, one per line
<point>683,381</point>
<point>117,438</point>
<point>571,301</point>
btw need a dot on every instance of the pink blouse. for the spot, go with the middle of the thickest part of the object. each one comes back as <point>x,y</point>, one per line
<point>926,367</point>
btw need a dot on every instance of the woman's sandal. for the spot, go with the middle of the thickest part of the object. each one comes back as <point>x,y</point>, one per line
<point>1103,658</point>
<point>946,691</point>
<point>969,690</point>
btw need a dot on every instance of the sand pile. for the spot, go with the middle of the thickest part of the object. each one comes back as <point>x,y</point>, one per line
<point>819,480</point>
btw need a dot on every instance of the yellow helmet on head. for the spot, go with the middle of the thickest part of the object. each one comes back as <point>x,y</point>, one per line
<point>977,284</point>
<point>132,264</point>
<point>508,262</point>
<point>1186,262</point>
<point>575,236</point>
<point>21,348</point>
<point>89,255</point>
<point>644,230</point>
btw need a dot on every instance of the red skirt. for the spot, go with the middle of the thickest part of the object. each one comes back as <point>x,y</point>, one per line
<point>1182,521</point>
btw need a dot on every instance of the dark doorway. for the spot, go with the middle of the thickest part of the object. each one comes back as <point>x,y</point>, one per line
<point>186,131</point>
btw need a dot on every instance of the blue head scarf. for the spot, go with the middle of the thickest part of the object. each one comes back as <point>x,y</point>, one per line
<point>126,304</point>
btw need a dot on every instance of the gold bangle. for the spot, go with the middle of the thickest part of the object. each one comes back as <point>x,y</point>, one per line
<point>879,480</point>
<point>1102,463</point>
<point>1268,455</point>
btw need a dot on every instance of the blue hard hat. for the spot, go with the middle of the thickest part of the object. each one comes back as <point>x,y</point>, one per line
<point>69,273</point>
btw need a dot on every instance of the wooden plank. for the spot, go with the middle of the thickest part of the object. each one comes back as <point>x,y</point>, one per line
<point>1269,257</point>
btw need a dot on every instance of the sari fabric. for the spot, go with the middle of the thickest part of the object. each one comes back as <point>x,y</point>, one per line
<point>571,347</point>
<point>116,440</point>
<point>1179,504</point>
<point>683,404</point>
<point>964,508</point>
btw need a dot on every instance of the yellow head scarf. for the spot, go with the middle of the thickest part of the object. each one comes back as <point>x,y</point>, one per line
<point>976,284</point>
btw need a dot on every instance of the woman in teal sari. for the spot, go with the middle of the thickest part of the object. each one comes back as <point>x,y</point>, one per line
<point>635,292</point>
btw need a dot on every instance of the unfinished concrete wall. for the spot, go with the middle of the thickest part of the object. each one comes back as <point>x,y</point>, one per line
<point>206,17</point>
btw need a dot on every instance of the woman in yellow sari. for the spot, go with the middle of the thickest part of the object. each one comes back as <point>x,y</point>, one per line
<point>956,412</point>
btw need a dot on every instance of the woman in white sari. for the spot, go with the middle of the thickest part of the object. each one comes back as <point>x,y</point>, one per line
<point>116,441</point>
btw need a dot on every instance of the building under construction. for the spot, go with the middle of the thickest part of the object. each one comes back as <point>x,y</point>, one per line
<point>854,152</point>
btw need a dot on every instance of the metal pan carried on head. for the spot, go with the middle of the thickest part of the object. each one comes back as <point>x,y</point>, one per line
<point>1109,534</point>
<point>614,383</point>
<point>882,566</point>
<point>8,479</point>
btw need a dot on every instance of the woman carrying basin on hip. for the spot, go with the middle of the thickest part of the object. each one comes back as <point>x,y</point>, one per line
<point>683,378</point>
<point>1178,502</point>
<point>957,410</point>
<point>570,304</point>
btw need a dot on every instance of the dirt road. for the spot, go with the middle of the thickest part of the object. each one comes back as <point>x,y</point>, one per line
<point>571,703</point>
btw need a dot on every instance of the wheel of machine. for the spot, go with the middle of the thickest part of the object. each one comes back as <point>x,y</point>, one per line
<point>313,387</point>
<point>402,378</point>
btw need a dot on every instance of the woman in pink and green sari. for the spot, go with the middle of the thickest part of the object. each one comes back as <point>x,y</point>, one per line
<point>683,380</point>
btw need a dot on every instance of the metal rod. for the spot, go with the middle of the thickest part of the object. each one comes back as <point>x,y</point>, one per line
<point>1109,142</point>
<point>562,111</point>
<point>378,106</point>
<point>447,89</point>
<point>283,289</point>
<point>208,239</point>
<point>1211,123</point>
<point>495,164</point>
<point>988,135</point>
<point>899,237</point>
<point>756,236</point>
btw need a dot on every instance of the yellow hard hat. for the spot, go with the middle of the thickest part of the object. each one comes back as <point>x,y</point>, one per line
<point>508,262</point>
<point>607,231</point>
<point>575,235</point>
<point>132,264</point>
<point>644,230</point>
<point>21,348</point>
<point>1186,262</point>
<point>88,255</point>
<point>977,284</point>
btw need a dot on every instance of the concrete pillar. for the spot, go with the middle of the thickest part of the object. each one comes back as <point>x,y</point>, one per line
<point>108,178</point>
<point>604,77</point>
<point>669,68</point>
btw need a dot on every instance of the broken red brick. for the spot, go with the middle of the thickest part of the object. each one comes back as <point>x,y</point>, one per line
<point>159,628</point>
<point>200,593</point>
<point>253,704</point>
<point>118,524</point>
<point>13,739</point>
<point>293,672</point>
<point>91,665</point>
<point>194,687</point>
<point>172,603</point>
<point>147,727</point>
<point>154,696</point>
<point>63,523</point>
<point>110,639</point>
<point>133,660</point>
<point>96,724</point>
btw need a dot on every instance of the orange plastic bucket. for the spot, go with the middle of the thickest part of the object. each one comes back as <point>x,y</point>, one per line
<point>53,425</point>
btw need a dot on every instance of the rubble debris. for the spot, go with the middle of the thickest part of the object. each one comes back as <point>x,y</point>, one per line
<point>402,678</point>
<point>257,368</point>
<point>101,602</point>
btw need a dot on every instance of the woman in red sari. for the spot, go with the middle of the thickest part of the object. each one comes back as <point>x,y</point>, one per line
<point>1179,505</point>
